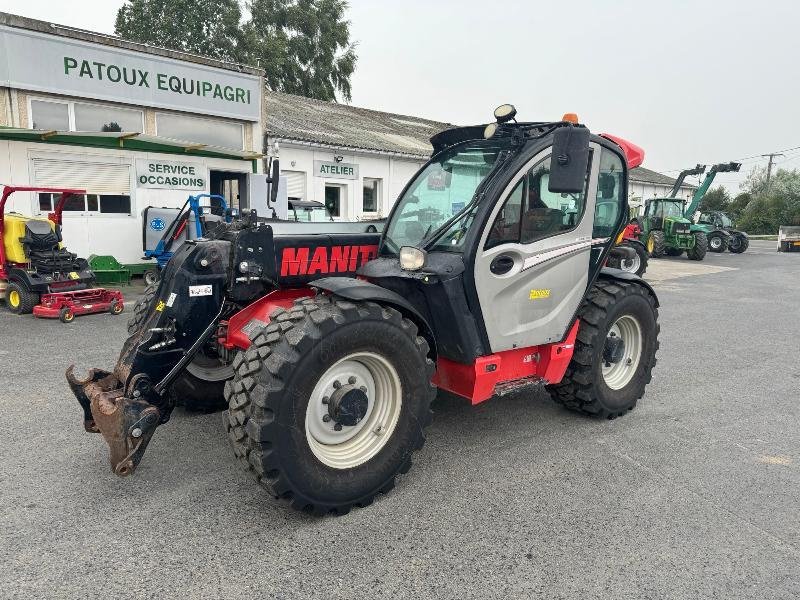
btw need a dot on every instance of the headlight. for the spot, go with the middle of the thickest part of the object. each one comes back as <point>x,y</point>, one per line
<point>411,258</point>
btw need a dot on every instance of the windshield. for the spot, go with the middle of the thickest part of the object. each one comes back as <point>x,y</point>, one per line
<point>440,192</point>
<point>725,220</point>
<point>670,209</point>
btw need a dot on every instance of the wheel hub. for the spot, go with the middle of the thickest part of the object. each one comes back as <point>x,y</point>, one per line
<point>348,405</point>
<point>613,350</point>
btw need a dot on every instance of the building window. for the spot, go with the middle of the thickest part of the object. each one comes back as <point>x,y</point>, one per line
<point>97,117</point>
<point>49,115</point>
<point>102,203</point>
<point>79,116</point>
<point>295,184</point>
<point>372,195</point>
<point>213,132</point>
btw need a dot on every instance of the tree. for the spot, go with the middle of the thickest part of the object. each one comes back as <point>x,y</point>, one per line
<point>767,211</point>
<point>738,205</point>
<point>207,27</point>
<point>304,46</point>
<point>716,198</point>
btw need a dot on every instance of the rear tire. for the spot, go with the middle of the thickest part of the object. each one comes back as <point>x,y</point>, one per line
<point>739,243</point>
<point>637,265</point>
<point>656,243</point>
<point>594,386</point>
<point>282,436</point>
<point>717,243</point>
<point>141,309</point>
<point>700,247</point>
<point>19,299</point>
<point>151,277</point>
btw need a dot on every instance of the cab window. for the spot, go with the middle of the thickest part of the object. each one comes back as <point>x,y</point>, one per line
<point>532,212</point>
<point>610,202</point>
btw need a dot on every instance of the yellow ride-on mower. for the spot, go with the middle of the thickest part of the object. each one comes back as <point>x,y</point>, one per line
<point>488,279</point>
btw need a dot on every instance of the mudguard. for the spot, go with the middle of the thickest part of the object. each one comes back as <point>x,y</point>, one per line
<point>359,290</point>
<point>609,273</point>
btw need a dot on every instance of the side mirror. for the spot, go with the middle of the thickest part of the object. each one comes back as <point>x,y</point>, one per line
<point>273,181</point>
<point>569,161</point>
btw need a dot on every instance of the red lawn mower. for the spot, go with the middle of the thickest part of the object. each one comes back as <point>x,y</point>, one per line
<point>37,274</point>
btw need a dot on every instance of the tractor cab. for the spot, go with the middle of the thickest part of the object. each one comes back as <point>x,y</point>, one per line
<point>715,218</point>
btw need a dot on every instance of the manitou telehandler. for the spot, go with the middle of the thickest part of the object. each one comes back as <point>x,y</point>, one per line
<point>487,279</point>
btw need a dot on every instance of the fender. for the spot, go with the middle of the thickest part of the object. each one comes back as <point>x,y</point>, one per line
<point>360,290</point>
<point>609,273</point>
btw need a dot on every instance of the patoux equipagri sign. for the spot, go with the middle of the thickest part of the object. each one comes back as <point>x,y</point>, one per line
<point>36,61</point>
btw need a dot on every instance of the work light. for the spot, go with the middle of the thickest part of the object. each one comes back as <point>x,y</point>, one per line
<point>412,258</point>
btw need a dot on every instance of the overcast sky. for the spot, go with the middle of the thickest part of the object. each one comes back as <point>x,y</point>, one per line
<point>689,81</point>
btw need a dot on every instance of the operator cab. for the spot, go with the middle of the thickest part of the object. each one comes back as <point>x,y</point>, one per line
<point>503,231</point>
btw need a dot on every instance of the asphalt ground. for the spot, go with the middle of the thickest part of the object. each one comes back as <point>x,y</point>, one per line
<point>694,494</point>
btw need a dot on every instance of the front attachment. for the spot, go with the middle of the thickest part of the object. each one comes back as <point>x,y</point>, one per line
<point>127,424</point>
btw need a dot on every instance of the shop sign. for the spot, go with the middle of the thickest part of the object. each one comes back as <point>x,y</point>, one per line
<point>335,170</point>
<point>170,175</point>
<point>85,70</point>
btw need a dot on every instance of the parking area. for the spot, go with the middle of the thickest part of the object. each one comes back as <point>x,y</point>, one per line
<point>694,494</point>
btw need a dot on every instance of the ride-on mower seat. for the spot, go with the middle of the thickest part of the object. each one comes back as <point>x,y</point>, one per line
<point>41,246</point>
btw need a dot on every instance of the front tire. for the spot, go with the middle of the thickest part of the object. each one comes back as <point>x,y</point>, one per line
<point>19,299</point>
<point>700,247</point>
<point>605,378</point>
<point>201,385</point>
<point>284,388</point>
<point>717,243</point>
<point>656,244</point>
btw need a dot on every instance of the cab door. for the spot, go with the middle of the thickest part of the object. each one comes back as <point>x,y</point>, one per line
<point>533,261</point>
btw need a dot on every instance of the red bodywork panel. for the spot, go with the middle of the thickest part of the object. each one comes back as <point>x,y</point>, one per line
<point>476,382</point>
<point>54,216</point>
<point>479,381</point>
<point>634,155</point>
<point>81,302</point>
<point>258,313</point>
<point>631,232</point>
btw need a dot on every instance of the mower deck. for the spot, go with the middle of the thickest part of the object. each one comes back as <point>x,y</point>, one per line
<point>67,305</point>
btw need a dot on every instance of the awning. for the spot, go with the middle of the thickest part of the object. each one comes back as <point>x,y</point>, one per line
<point>127,140</point>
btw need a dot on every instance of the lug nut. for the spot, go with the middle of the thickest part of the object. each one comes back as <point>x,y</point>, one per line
<point>352,379</point>
<point>326,418</point>
<point>337,384</point>
<point>325,400</point>
<point>337,427</point>
<point>363,388</point>
<point>137,433</point>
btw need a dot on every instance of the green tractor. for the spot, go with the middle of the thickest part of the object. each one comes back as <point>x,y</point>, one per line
<point>717,225</point>
<point>665,231</point>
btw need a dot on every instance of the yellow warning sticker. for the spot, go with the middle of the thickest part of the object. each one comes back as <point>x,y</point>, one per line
<point>74,275</point>
<point>160,306</point>
<point>538,294</point>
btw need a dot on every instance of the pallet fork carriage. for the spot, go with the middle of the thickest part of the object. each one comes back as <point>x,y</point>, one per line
<point>487,279</point>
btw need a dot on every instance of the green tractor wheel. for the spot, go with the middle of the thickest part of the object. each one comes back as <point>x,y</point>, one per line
<point>656,244</point>
<point>700,247</point>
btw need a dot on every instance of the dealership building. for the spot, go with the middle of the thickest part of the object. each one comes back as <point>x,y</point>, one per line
<point>133,125</point>
<point>138,126</point>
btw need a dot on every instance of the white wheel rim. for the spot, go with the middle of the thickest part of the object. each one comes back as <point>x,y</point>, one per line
<point>716,242</point>
<point>354,445</point>
<point>632,265</point>
<point>618,375</point>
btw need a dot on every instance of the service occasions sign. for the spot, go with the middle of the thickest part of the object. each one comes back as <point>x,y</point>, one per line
<point>170,175</point>
<point>37,61</point>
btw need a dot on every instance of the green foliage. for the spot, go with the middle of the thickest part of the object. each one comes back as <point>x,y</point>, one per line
<point>738,204</point>
<point>768,210</point>
<point>716,198</point>
<point>303,45</point>
<point>205,27</point>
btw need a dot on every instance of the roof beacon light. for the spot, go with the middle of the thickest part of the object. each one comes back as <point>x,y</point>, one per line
<point>570,118</point>
<point>490,130</point>
<point>504,113</point>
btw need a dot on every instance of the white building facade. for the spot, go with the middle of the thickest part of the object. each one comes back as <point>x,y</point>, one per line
<point>133,125</point>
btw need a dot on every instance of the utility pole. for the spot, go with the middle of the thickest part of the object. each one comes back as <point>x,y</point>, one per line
<point>769,165</point>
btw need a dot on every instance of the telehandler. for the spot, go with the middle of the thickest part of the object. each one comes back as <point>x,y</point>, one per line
<point>487,279</point>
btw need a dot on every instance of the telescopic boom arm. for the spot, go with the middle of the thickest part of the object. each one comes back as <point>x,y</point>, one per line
<point>730,167</point>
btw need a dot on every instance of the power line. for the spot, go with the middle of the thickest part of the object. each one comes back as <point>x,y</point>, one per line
<point>771,156</point>
<point>755,157</point>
